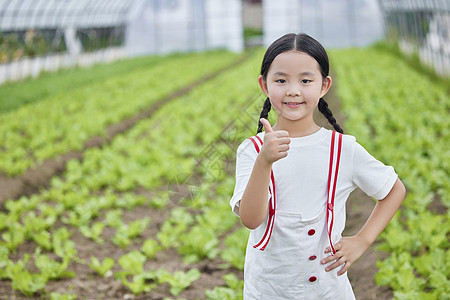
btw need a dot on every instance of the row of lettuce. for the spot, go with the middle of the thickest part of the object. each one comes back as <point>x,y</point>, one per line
<point>401,116</point>
<point>140,170</point>
<point>35,89</point>
<point>64,121</point>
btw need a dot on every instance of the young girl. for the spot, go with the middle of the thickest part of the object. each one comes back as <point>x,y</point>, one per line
<point>293,179</point>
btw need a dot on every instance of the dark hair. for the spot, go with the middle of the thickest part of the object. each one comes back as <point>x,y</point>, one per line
<point>306,44</point>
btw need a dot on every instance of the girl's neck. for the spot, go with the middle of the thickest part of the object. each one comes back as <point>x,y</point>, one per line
<point>297,128</point>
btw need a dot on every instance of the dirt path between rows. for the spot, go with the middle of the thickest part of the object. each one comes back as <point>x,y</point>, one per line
<point>359,207</point>
<point>39,177</point>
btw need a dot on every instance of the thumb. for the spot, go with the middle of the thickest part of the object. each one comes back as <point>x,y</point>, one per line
<point>266,124</point>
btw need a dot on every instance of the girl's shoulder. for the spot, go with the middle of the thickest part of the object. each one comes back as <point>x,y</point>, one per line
<point>349,139</point>
<point>349,144</point>
<point>248,144</point>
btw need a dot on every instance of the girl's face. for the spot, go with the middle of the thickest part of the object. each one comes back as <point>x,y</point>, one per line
<point>294,85</point>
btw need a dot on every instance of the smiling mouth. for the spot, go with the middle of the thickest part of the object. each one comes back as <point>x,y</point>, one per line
<point>293,104</point>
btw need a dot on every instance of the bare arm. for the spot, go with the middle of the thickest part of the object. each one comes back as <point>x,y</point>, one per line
<point>349,249</point>
<point>382,213</point>
<point>253,206</point>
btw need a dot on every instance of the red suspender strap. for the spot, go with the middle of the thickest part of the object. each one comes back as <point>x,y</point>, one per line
<point>332,181</point>
<point>257,142</point>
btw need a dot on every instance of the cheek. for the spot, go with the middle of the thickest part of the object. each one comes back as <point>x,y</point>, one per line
<point>276,102</point>
<point>312,94</point>
<point>275,92</point>
<point>275,105</point>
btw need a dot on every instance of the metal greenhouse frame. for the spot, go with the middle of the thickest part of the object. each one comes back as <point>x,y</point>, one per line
<point>45,35</point>
<point>30,28</point>
<point>38,35</point>
<point>420,27</point>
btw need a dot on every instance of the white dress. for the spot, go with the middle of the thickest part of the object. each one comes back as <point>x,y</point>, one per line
<point>289,267</point>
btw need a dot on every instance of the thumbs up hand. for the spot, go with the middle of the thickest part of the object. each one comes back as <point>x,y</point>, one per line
<point>276,143</point>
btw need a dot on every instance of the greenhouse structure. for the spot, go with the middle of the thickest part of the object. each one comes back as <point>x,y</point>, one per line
<point>38,35</point>
<point>340,23</point>
<point>421,28</point>
<point>46,35</point>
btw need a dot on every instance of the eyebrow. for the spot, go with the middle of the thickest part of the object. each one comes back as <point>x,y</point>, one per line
<point>306,73</point>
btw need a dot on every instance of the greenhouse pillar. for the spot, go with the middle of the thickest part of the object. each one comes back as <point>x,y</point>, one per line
<point>280,17</point>
<point>73,44</point>
<point>224,24</point>
<point>337,23</point>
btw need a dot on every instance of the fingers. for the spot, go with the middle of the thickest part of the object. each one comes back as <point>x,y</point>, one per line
<point>348,250</point>
<point>339,261</point>
<point>283,140</point>
<point>280,150</point>
<point>339,258</point>
<point>266,125</point>
<point>331,258</point>
<point>283,147</point>
<point>276,143</point>
<point>337,247</point>
<point>345,268</point>
<point>268,128</point>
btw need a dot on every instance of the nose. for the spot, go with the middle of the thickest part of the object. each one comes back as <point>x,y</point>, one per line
<point>293,91</point>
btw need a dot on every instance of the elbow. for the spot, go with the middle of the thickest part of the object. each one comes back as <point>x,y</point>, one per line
<point>252,215</point>
<point>400,189</point>
<point>251,221</point>
<point>398,192</point>
<point>403,189</point>
<point>250,224</point>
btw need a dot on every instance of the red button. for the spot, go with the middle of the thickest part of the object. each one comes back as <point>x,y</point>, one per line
<point>312,278</point>
<point>312,257</point>
<point>311,232</point>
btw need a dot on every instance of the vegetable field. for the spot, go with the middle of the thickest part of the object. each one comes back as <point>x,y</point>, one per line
<point>401,116</point>
<point>142,210</point>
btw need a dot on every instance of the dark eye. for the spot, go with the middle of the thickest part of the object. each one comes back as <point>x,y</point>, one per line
<point>281,81</point>
<point>306,81</point>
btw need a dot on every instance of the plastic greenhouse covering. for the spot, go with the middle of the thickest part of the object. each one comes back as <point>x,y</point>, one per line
<point>45,35</point>
<point>24,14</point>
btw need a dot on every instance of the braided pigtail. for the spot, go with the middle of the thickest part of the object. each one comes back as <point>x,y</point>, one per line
<point>264,114</point>
<point>323,108</point>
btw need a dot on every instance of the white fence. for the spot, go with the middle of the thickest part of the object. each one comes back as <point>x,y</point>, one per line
<point>27,67</point>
